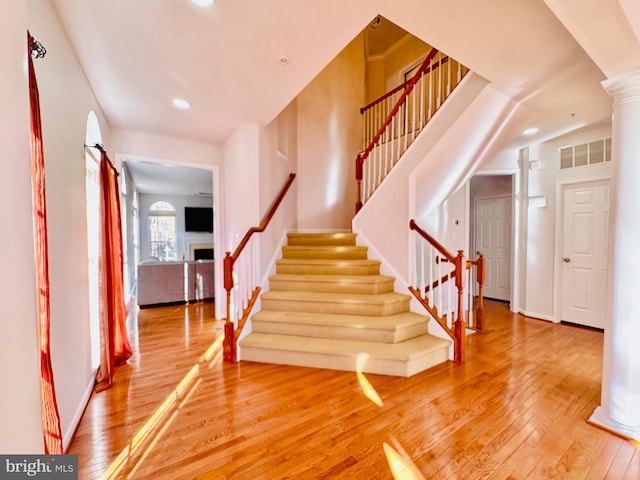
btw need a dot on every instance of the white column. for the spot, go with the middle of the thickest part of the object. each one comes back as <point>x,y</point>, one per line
<point>620,412</point>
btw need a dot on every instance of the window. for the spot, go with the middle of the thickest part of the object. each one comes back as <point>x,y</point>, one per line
<point>92,185</point>
<point>162,231</point>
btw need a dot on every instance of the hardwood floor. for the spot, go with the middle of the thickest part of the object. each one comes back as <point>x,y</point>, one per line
<point>515,409</point>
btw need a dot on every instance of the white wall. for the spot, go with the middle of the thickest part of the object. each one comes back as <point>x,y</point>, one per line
<point>20,407</point>
<point>540,289</point>
<point>278,159</point>
<point>329,138</point>
<point>183,238</point>
<point>66,99</point>
<point>240,193</point>
<point>127,197</point>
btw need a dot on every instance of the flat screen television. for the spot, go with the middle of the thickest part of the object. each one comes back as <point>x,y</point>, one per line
<point>198,219</point>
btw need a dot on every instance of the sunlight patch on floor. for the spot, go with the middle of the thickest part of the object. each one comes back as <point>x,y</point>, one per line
<point>155,426</point>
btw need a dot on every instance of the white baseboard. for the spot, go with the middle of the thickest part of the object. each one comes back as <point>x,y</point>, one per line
<point>75,421</point>
<point>537,316</point>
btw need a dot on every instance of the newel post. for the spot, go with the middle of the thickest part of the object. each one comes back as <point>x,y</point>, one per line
<point>359,162</point>
<point>459,326</point>
<point>229,352</point>
<point>480,278</point>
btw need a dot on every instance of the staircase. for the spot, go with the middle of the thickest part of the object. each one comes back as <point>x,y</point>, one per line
<point>329,307</point>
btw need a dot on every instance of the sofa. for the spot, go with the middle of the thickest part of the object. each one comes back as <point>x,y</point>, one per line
<point>162,283</point>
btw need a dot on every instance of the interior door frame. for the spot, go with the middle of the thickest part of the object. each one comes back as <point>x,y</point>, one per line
<point>562,185</point>
<point>516,234</point>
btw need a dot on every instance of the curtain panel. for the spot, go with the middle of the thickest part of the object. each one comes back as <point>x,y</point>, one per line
<point>115,349</point>
<point>50,415</point>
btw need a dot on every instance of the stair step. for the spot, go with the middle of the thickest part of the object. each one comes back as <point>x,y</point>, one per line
<point>328,267</point>
<point>370,284</point>
<point>325,251</point>
<point>321,238</point>
<point>336,303</point>
<point>399,359</point>
<point>390,329</point>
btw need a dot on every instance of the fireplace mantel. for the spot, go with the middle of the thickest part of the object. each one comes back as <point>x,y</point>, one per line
<point>197,246</point>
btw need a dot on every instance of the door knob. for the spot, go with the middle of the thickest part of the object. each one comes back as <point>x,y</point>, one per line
<point>566,259</point>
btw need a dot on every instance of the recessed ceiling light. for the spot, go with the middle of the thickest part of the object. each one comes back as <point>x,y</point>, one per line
<point>530,131</point>
<point>202,3</point>
<point>180,103</point>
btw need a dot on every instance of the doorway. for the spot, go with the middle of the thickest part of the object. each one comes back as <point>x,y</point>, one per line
<point>583,267</point>
<point>491,207</point>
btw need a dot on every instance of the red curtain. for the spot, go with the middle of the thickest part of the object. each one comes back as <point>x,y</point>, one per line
<point>50,416</point>
<point>114,342</point>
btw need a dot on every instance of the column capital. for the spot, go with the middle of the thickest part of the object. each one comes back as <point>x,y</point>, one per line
<point>624,87</point>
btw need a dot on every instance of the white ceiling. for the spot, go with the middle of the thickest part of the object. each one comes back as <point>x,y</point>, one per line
<point>225,59</point>
<point>166,179</point>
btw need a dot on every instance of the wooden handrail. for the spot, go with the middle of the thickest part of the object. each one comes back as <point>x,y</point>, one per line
<point>400,87</point>
<point>414,226</point>
<point>265,220</point>
<point>231,335</point>
<point>437,283</point>
<point>385,96</point>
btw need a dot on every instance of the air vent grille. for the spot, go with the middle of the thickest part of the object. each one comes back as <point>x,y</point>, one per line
<point>585,154</point>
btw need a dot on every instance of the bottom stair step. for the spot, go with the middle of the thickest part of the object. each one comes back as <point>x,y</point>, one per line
<point>399,359</point>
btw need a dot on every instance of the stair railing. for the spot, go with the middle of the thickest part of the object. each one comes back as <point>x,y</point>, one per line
<point>393,121</point>
<point>241,281</point>
<point>442,283</point>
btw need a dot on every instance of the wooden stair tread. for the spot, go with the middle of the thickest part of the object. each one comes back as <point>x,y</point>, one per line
<point>403,351</point>
<point>390,322</point>
<point>325,251</point>
<point>345,279</point>
<point>327,261</point>
<point>321,238</point>
<point>330,297</point>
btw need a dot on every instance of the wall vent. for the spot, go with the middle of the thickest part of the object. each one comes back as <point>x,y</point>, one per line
<point>585,154</point>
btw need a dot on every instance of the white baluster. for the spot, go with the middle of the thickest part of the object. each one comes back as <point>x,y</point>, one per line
<point>469,287</point>
<point>421,100</point>
<point>439,74</point>
<point>429,259</point>
<point>450,287</point>
<point>390,137</point>
<point>419,246</point>
<point>398,134</point>
<point>439,278</point>
<point>430,110</point>
<point>449,77</point>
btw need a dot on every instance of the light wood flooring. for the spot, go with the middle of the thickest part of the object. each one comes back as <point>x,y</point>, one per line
<point>515,409</point>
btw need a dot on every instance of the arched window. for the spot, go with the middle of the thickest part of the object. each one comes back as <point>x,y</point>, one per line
<point>162,230</point>
<point>92,184</point>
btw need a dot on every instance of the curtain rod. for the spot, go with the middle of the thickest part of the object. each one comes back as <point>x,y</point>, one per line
<point>97,146</point>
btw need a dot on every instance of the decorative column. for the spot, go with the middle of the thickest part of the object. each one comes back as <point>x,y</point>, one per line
<point>620,409</point>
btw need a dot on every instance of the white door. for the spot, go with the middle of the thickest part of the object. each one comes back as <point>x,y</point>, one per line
<point>493,240</point>
<point>584,253</point>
